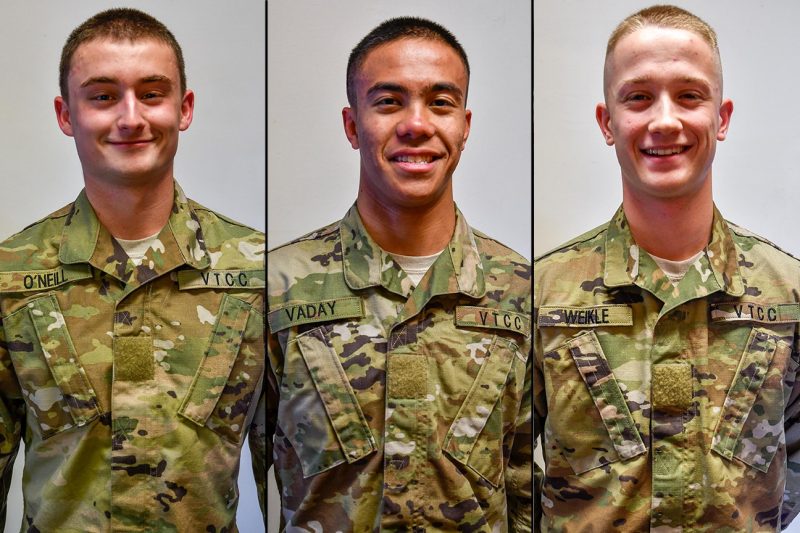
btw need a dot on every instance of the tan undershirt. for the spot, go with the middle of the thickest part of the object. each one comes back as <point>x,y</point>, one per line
<point>415,266</point>
<point>675,270</point>
<point>136,248</point>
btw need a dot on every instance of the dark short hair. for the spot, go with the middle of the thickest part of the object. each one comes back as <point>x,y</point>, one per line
<point>392,30</point>
<point>118,24</point>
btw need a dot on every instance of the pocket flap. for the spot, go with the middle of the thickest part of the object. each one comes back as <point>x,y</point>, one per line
<point>746,386</point>
<point>476,410</point>
<point>215,368</point>
<point>603,387</point>
<point>62,360</point>
<point>330,380</point>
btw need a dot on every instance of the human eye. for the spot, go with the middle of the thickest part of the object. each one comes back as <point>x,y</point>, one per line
<point>151,95</point>
<point>387,101</point>
<point>442,102</point>
<point>100,97</point>
<point>636,97</point>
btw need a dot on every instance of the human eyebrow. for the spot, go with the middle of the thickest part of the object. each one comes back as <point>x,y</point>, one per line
<point>96,80</point>
<point>386,87</point>
<point>156,78</point>
<point>443,87</point>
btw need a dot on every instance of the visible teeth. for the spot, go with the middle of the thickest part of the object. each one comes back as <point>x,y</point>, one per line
<point>663,151</point>
<point>414,159</point>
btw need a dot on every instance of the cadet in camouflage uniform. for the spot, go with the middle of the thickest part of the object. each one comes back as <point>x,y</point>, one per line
<point>666,397</point>
<point>133,381</point>
<point>401,404</point>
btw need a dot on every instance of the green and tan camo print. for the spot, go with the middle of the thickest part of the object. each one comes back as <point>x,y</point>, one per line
<point>133,386</point>
<point>664,407</point>
<point>394,407</point>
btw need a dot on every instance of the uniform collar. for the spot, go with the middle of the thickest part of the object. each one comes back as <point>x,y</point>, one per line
<point>85,240</point>
<point>458,269</point>
<point>625,266</point>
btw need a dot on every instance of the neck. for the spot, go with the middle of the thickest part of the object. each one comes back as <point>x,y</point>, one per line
<point>410,231</point>
<point>131,211</point>
<point>671,228</point>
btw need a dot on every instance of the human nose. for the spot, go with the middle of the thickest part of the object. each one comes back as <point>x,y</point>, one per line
<point>415,123</point>
<point>130,115</point>
<point>666,118</point>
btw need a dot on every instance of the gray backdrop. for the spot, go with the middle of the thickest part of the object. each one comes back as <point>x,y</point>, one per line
<point>220,161</point>
<point>576,176</point>
<point>313,172</point>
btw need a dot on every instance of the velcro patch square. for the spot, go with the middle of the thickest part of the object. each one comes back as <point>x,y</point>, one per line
<point>407,376</point>
<point>133,359</point>
<point>672,386</point>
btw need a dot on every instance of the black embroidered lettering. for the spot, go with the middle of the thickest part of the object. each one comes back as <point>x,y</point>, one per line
<point>517,323</point>
<point>242,279</point>
<point>604,316</point>
<point>772,314</point>
<point>229,279</point>
<point>28,281</point>
<point>483,316</point>
<point>290,312</point>
<point>331,306</point>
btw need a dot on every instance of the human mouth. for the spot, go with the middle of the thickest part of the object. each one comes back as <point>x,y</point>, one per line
<point>418,159</point>
<point>667,151</point>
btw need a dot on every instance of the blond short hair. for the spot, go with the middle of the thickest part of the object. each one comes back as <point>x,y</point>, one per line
<point>665,16</point>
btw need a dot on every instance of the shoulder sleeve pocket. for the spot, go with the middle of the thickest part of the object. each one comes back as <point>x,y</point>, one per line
<point>53,380</point>
<point>221,391</point>
<point>475,437</point>
<point>589,417</point>
<point>750,426</point>
<point>318,409</point>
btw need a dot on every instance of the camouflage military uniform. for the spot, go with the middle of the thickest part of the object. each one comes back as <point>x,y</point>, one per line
<point>398,408</point>
<point>132,386</point>
<point>667,408</point>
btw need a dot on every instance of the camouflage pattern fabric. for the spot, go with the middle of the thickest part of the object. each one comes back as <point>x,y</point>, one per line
<point>662,407</point>
<point>133,387</point>
<point>394,407</point>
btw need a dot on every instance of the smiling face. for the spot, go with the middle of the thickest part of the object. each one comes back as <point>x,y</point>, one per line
<point>125,109</point>
<point>409,122</point>
<point>664,111</point>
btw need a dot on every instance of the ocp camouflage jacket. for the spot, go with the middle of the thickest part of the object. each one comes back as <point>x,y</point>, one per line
<point>394,407</point>
<point>132,386</point>
<point>662,407</point>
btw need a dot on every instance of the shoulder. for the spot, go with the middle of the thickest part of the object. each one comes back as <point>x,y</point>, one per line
<point>230,243</point>
<point>309,257</point>
<point>759,256</point>
<point>307,249</point>
<point>36,246</point>
<point>588,240</point>
<point>496,250</point>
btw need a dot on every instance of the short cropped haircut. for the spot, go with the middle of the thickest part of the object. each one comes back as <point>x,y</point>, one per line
<point>394,29</point>
<point>118,24</point>
<point>666,16</point>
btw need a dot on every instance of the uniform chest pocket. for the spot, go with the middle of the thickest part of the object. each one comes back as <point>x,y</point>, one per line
<point>750,426</point>
<point>57,391</point>
<point>475,438</point>
<point>318,409</point>
<point>589,418</point>
<point>222,391</point>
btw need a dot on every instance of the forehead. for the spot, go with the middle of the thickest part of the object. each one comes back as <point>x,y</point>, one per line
<point>658,48</point>
<point>107,57</point>
<point>411,59</point>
